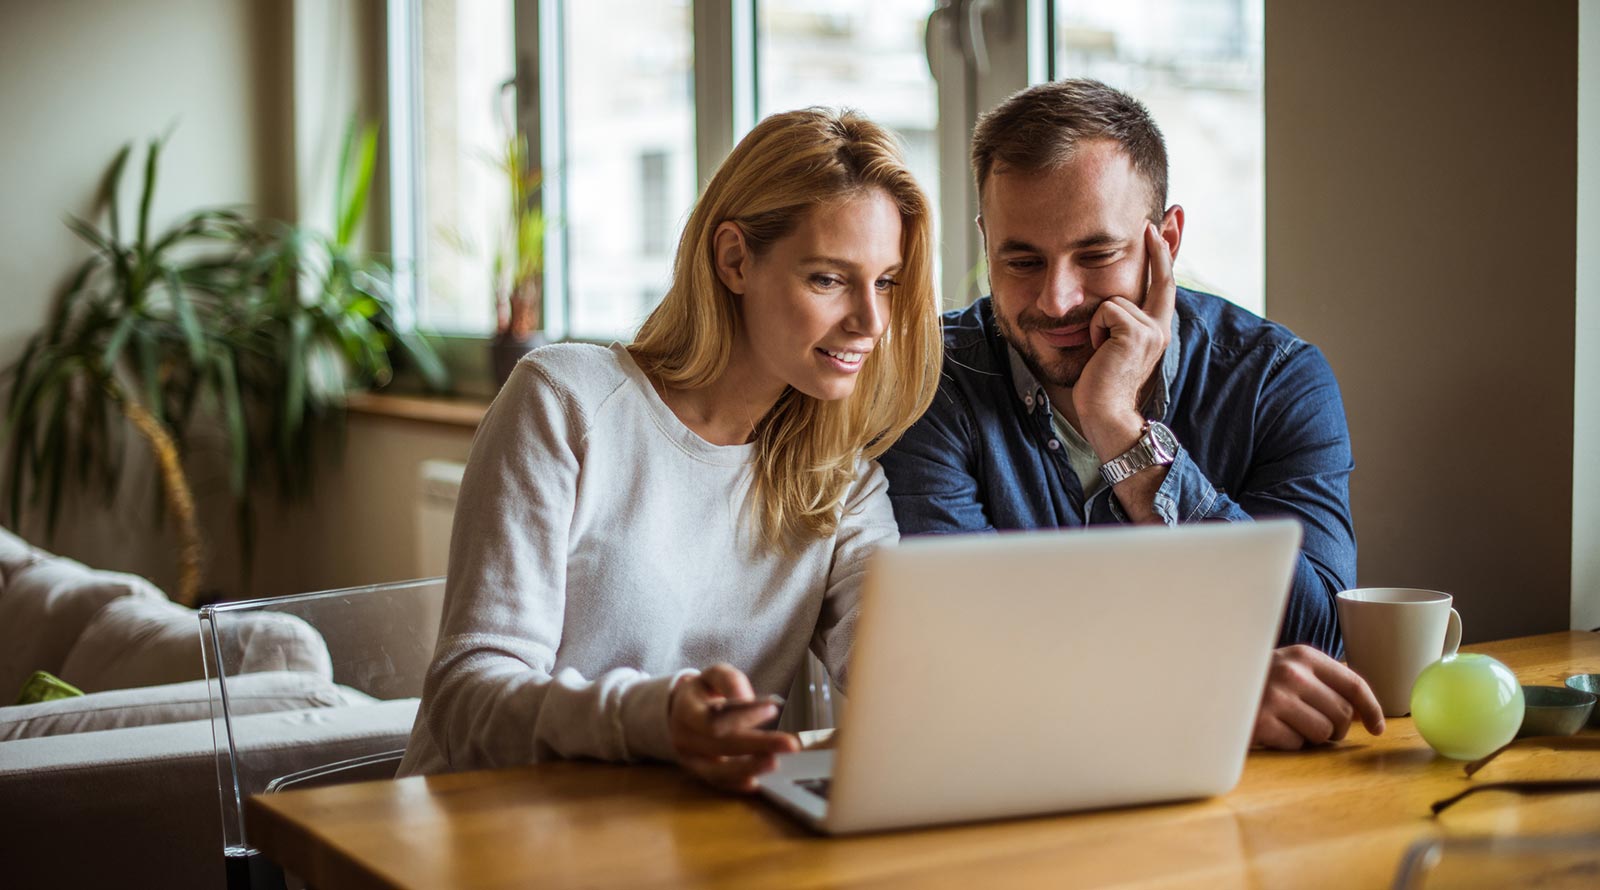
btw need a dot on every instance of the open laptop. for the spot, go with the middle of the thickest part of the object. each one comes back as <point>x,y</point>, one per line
<point>1040,672</point>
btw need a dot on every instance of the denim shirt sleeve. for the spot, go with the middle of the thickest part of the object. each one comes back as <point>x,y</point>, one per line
<point>933,483</point>
<point>1301,469</point>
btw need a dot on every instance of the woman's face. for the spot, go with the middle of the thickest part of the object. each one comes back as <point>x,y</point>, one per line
<point>816,302</point>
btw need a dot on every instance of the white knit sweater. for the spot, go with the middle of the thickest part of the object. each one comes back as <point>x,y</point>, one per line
<point>600,549</point>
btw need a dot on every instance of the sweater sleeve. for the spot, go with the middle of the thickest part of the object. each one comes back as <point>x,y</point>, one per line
<point>867,524</point>
<point>492,697</point>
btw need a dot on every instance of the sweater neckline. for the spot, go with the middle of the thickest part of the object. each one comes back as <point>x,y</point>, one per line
<point>673,428</point>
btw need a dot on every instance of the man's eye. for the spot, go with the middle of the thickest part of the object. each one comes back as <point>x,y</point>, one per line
<point>1103,256</point>
<point>1022,265</point>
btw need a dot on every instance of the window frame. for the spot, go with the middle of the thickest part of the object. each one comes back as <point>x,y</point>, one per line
<point>978,51</point>
<point>726,90</point>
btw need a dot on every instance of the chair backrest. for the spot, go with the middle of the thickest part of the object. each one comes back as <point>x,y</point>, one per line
<point>812,701</point>
<point>361,653</point>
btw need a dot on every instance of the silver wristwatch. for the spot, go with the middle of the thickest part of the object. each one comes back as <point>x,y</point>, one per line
<point>1157,447</point>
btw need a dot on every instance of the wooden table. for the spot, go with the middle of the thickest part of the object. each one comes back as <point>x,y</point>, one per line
<point>1339,816</point>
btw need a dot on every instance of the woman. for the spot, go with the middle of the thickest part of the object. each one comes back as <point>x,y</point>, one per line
<point>648,534</point>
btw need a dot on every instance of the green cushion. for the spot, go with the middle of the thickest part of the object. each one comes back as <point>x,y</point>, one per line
<point>45,686</point>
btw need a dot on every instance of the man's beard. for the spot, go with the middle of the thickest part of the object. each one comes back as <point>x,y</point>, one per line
<point>1056,366</point>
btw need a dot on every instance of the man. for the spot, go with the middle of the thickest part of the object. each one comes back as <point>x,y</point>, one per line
<point>1088,389</point>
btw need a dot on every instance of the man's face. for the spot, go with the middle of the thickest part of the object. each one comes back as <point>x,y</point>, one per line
<point>1060,243</point>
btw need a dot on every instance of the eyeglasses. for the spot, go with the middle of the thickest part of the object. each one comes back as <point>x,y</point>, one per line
<point>1545,786</point>
<point>1530,786</point>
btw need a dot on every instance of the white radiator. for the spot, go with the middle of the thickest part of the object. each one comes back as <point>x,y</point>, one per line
<point>437,486</point>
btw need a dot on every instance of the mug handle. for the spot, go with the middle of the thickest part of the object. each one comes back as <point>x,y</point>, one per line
<point>1452,634</point>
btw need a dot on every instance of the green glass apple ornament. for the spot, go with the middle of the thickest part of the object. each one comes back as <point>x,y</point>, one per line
<point>1467,706</point>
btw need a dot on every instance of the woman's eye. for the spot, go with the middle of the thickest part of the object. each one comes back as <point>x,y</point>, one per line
<point>826,280</point>
<point>886,284</point>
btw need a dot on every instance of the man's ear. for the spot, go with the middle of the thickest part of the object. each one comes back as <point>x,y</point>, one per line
<point>729,254</point>
<point>1172,229</point>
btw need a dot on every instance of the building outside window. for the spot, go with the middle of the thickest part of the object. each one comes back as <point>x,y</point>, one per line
<point>609,94</point>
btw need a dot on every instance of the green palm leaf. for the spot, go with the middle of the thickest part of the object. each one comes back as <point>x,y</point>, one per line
<point>152,160</point>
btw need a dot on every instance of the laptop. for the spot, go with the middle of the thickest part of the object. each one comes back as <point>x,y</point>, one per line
<point>1024,673</point>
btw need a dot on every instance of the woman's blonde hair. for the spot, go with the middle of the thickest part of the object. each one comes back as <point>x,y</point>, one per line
<point>806,449</point>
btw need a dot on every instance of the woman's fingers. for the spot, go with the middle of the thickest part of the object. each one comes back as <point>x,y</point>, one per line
<point>727,681</point>
<point>730,773</point>
<point>700,729</point>
<point>755,742</point>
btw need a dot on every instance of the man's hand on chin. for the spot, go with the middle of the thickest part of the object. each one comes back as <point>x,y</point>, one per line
<point>1129,342</point>
<point>1311,699</point>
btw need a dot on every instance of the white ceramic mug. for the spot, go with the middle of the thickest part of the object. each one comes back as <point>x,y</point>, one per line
<point>1392,633</point>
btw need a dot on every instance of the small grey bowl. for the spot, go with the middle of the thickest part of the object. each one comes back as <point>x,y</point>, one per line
<point>1589,683</point>
<point>1554,710</point>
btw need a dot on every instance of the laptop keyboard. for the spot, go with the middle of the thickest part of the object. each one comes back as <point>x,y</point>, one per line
<point>819,787</point>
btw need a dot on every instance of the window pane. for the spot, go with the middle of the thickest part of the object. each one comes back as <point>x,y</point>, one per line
<point>866,56</point>
<point>629,172</point>
<point>1197,64</point>
<point>466,120</point>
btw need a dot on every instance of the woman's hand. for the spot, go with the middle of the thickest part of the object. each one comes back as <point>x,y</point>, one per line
<point>726,749</point>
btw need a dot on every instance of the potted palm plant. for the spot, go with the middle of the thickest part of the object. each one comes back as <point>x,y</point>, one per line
<point>263,325</point>
<point>126,344</point>
<point>319,313</point>
<point>519,264</point>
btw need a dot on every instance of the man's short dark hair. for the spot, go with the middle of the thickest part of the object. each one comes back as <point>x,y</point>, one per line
<point>1041,127</point>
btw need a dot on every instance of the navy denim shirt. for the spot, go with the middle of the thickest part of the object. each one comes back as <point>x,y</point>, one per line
<point>1255,409</point>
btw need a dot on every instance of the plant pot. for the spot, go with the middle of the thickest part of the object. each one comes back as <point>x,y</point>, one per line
<point>506,350</point>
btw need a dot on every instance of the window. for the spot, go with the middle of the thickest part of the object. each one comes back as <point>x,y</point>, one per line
<point>1197,65</point>
<point>630,104</point>
<point>867,56</point>
<point>460,95</point>
<point>654,220</point>
<point>627,133</point>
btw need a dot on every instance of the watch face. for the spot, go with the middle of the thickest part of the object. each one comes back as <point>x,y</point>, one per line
<point>1164,441</point>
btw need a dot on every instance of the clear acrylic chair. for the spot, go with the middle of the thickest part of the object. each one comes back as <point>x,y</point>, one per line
<point>812,701</point>
<point>312,689</point>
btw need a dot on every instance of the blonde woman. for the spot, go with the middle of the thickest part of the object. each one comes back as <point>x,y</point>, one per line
<point>648,533</point>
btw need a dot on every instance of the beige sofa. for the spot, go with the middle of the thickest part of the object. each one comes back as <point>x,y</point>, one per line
<point>120,786</point>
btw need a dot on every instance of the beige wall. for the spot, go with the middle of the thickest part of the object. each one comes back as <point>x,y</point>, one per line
<point>1421,161</point>
<point>361,528</point>
<point>1586,399</point>
<point>77,80</point>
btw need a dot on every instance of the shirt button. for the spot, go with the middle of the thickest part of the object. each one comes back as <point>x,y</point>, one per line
<point>1055,445</point>
<point>1029,401</point>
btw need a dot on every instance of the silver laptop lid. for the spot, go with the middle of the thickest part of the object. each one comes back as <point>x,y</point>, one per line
<point>1002,675</point>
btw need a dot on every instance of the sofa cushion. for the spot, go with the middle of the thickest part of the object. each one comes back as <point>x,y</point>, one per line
<point>146,798</point>
<point>263,640</point>
<point>133,642</point>
<point>141,642</point>
<point>174,703</point>
<point>15,555</point>
<point>45,607</point>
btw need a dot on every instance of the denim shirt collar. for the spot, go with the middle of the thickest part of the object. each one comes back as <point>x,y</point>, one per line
<point>1027,386</point>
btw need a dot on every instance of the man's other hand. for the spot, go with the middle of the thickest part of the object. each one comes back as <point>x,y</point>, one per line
<point>1311,699</point>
